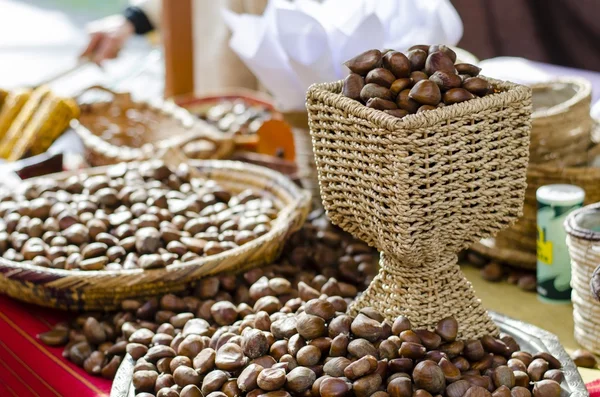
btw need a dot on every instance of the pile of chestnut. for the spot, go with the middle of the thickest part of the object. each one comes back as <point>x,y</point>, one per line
<point>424,78</point>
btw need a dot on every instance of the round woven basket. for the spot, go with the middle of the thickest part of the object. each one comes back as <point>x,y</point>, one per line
<point>99,151</point>
<point>200,105</point>
<point>556,140</point>
<point>583,239</point>
<point>104,290</point>
<point>561,121</point>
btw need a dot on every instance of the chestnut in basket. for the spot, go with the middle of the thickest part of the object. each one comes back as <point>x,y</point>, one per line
<point>423,79</point>
<point>134,216</point>
<point>236,116</point>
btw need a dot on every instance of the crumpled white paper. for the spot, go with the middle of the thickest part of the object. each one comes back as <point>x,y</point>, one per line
<point>295,44</point>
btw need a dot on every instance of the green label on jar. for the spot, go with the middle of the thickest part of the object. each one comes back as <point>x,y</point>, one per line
<point>553,261</point>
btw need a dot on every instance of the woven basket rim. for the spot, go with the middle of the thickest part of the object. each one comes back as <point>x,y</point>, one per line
<point>301,201</point>
<point>574,229</point>
<point>189,100</point>
<point>148,150</point>
<point>582,172</point>
<point>330,93</point>
<point>195,126</point>
<point>584,91</point>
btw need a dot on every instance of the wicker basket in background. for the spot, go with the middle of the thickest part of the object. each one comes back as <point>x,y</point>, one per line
<point>420,189</point>
<point>565,141</point>
<point>199,106</point>
<point>583,240</point>
<point>561,121</point>
<point>99,151</point>
<point>104,290</point>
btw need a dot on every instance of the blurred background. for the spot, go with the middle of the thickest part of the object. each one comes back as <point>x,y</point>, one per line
<point>560,32</point>
<point>40,38</point>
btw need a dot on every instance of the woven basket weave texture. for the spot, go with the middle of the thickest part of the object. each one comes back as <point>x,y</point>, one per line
<point>420,189</point>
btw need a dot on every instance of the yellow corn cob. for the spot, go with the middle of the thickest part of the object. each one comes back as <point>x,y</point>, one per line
<point>13,104</point>
<point>3,95</point>
<point>63,111</point>
<point>49,121</point>
<point>15,131</point>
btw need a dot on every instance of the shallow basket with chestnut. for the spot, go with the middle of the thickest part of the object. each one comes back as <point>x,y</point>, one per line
<point>425,78</point>
<point>132,230</point>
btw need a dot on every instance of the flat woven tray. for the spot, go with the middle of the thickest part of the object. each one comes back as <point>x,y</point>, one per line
<point>104,290</point>
<point>529,337</point>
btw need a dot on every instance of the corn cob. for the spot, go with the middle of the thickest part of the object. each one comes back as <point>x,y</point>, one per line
<point>63,111</point>
<point>3,95</point>
<point>13,104</point>
<point>49,121</point>
<point>15,131</point>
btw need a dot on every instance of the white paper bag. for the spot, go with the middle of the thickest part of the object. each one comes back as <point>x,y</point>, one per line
<point>296,44</point>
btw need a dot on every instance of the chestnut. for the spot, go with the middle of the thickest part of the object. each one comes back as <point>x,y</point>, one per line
<point>457,95</point>
<point>417,58</point>
<point>353,84</point>
<point>399,113</point>
<point>375,91</point>
<point>426,92</point>
<point>438,61</point>
<point>446,80</point>
<point>397,63</point>
<point>381,104</point>
<point>444,49</point>
<point>477,86</point>
<point>380,76</point>
<point>467,68</point>
<point>400,85</point>
<point>411,106</point>
<point>363,63</point>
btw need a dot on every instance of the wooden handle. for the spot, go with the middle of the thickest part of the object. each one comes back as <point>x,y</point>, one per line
<point>177,37</point>
<point>63,73</point>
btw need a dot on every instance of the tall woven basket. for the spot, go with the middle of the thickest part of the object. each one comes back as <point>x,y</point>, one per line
<point>583,240</point>
<point>420,189</point>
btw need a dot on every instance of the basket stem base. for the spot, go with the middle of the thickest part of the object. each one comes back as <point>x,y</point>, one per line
<point>425,295</point>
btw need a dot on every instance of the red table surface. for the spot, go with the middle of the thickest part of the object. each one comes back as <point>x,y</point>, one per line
<point>30,368</point>
<point>594,388</point>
